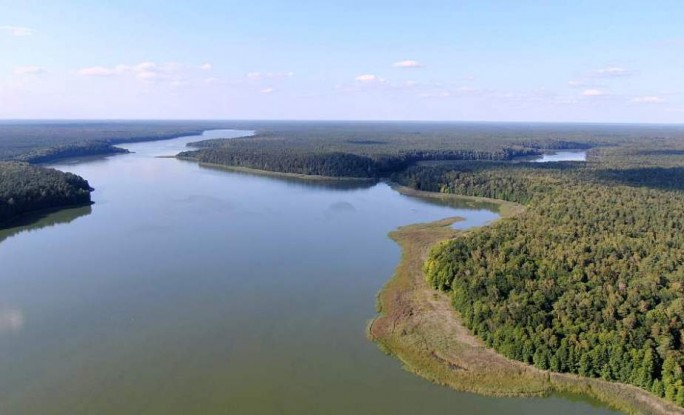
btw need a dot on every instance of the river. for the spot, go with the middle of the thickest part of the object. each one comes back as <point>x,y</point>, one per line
<point>187,289</point>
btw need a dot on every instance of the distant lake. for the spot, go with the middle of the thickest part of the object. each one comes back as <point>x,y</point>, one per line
<point>562,156</point>
<point>190,290</point>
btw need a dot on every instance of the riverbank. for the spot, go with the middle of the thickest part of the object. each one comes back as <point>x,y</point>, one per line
<point>27,190</point>
<point>419,326</point>
<point>31,217</point>
<point>269,173</point>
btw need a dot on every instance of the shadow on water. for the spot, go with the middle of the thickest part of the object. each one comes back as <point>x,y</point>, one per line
<point>328,184</point>
<point>461,203</point>
<point>360,184</point>
<point>45,219</point>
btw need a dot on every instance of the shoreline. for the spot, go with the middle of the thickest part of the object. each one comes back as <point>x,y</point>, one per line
<point>308,177</point>
<point>417,325</point>
<point>33,216</point>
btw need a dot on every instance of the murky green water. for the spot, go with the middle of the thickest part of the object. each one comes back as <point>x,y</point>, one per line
<point>187,290</point>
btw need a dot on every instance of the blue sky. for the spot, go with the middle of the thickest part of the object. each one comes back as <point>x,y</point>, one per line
<point>595,61</point>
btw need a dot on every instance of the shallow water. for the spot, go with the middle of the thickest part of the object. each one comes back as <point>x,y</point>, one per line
<point>190,290</point>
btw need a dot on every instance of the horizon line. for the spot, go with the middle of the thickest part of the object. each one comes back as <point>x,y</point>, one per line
<point>9,120</point>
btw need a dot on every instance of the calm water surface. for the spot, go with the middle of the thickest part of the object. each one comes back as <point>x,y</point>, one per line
<point>187,290</point>
<point>562,156</point>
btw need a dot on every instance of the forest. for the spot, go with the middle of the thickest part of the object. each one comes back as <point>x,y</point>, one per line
<point>378,149</point>
<point>43,141</point>
<point>590,279</point>
<point>25,188</point>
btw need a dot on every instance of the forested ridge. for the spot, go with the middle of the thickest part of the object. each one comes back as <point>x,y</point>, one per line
<point>590,279</point>
<point>44,141</point>
<point>325,156</point>
<point>25,188</point>
<point>377,149</point>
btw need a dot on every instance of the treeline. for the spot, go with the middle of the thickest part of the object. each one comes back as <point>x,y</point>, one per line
<point>22,140</point>
<point>589,280</point>
<point>332,163</point>
<point>309,163</point>
<point>25,188</point>
<point>327,156</point>
<point>386,148</point>
<point>515,182</point>
<point>48,154</point>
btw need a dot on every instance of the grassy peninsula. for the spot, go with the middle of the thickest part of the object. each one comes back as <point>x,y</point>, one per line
<point>420,327</point>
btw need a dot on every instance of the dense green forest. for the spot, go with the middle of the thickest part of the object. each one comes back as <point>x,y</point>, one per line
<point>44,141</point>
<point>25,188</point>
<point>376,149</point>
<point>590,279</point>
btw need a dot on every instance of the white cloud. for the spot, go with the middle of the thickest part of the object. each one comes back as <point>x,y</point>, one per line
<point>206,67</point>
<point>565,101</point>
<point>575,83</point>
<point>97,71</point>
<point>612,72</point>
<point>437,94</point>
<point>593,92</point>
<point>409,63</point>
<point>259,76</point>
<point>594,79</point>
<point>178,82</point>
<point>468,90</point>
<point>461,91</point>
<point>147,71</point>
<point>28,70</point>
<point>370,78</point>
<point>144,71</point>
<point>652,99</point>
<point>267,90</point>
<point>211,80</point>
<point>17,31</point>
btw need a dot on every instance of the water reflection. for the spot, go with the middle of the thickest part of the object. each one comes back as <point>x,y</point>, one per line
<point>329,184</point>
<point>561,156</point>
<point>36,221</point>
<point>193,290</point>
